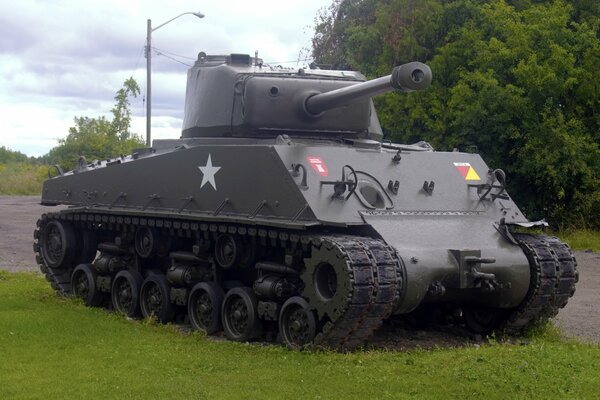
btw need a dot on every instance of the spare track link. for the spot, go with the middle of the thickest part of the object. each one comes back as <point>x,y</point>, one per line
<point>376,285</point>
<point>59,278</point>
<point>553,277</point>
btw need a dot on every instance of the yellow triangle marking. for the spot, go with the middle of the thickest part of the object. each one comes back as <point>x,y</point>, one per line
<point>472,175</point>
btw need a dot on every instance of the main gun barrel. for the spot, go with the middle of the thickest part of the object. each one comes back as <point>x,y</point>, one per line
<point>406,77</point>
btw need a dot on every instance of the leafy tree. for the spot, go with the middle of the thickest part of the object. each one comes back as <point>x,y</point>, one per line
<point>100,138</point>
<point>121,112</point>
<point>20,174</point>
<point>518,79</point>
<point>10,156</point>
<point>332,28</point>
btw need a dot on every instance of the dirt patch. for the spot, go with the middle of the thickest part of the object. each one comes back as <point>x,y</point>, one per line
<point>580,318</point>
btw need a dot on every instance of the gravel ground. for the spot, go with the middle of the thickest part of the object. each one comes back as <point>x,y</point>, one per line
<point>580,318</point>
<point>18,215</point>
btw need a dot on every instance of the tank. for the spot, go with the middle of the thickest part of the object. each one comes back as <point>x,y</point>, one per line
<point>282,214</point>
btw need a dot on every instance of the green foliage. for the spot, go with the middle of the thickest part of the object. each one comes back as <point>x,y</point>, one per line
<point>121,113</point>
<point>20,174</point>
<point>98,354</point>
<point>329,44</point>
<point>518,79</point>
<point>100,138</point>
<point>582,239</point>
<point>10,156</point>
<point>20,178</point>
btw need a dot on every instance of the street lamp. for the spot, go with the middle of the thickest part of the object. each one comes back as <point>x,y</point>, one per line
<point>149,68</point>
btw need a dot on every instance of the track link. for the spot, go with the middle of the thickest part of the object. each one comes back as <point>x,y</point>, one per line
<point>375,283</point>
<point>553,278</point>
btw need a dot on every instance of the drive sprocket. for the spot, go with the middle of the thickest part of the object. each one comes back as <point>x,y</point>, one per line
<point>328,280</point>
<point>353,284</point>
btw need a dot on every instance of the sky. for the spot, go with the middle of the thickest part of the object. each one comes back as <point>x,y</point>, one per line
<point>66,59</point>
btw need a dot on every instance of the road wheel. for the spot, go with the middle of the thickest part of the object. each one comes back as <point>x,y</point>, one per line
<point>83,283</point>
<point>204,307</point>
<point>297,324</point>
<point>125,293</point>
<point>240,316</point>
<point>155,298</point>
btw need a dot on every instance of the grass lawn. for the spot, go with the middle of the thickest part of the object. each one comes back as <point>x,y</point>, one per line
<point>57,348</point>
<point>581,239</point>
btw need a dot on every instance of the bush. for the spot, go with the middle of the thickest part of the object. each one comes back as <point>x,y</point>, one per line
<point>22,178</point>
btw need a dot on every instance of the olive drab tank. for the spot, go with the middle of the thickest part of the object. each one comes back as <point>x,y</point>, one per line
<point>281,213</point>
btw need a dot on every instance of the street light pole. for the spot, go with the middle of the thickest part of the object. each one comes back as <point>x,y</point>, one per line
<point>148,82</point>
<point>149,31</point>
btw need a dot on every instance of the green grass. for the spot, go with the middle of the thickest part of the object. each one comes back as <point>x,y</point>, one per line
<point>578,239</point>
<point>22,178</point>
<point>56,348</point>
<point>582,239</point>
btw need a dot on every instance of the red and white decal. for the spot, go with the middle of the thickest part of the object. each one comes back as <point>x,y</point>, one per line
<point>318,165</point>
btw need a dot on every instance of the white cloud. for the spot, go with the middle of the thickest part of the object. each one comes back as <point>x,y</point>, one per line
<point>66,58</point>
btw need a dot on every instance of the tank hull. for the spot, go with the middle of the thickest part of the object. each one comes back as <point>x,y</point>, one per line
<point>349,234</point>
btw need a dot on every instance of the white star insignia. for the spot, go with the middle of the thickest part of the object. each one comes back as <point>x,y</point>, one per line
<point>208,174</point>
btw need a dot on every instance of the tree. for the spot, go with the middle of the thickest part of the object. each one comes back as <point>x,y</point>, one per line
<point>100,138</point>
<point>121,113</point>
<point>518,79</point>
<point>8,156</point>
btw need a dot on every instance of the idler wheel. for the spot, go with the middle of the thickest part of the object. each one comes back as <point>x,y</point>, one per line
<point>125,293</point>
<point>83,282</point>
<point>155,299</point>
<point>240,316</point>
<point>228,249</point>
<point>58,244</point>
<point>146,241</point>
<point>327,281</point>
<point>297,323</point>
<point>204,307</point>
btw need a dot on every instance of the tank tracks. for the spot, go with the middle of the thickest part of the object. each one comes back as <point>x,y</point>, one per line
<point>374,279</point>
<point>59,278</point>
<point>553,275</point>
<point>553,278</point>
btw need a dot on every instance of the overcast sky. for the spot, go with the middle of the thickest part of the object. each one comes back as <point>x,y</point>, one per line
<point>61,59</point>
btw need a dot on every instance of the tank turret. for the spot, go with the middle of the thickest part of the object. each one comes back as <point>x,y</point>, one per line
<point>237,95</point>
